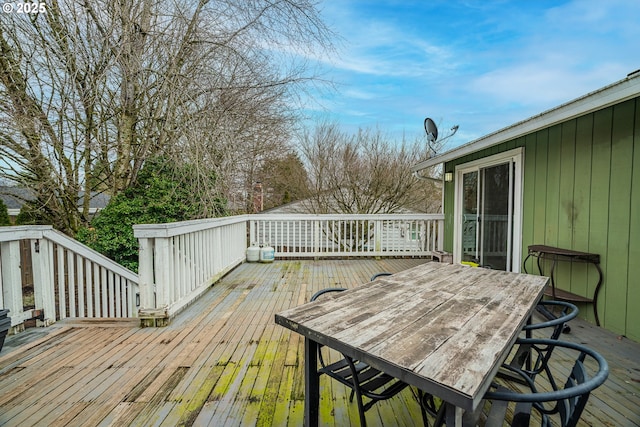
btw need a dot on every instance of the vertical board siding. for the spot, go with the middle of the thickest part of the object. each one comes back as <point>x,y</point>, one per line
<point>540,187</point>
<point>600,187</point>
<point>528,187</point>
<point>552,207</point>
<point>582,203</point>
<point>633,274</point>
<point>582,192</point>
<point>567,158</point>
<point>619,210</point>
<point>566,208</point>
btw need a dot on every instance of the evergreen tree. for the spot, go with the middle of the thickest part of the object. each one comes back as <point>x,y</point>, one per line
<point>4,214</point>
<point>158,196</point>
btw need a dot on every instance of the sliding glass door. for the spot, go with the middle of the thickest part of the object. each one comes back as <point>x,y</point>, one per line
<point>487,212</point>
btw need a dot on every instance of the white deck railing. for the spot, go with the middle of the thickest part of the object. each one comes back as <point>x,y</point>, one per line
<point>347,235</point>
<point>68,278</point>
<point>179,261</point>
<point>493,236</point>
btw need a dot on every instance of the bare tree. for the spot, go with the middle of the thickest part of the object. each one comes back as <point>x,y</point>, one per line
<point>92,88</point>
<point>364,173</point>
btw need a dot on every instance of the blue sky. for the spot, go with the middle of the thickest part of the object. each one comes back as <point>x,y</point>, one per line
<point>482,65</point>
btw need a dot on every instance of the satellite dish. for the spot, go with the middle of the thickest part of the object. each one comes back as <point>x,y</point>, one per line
<point>431,129</point>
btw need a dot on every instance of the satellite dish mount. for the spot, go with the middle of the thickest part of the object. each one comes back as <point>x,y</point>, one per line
<point>432,133</point>
<point>431,129</point>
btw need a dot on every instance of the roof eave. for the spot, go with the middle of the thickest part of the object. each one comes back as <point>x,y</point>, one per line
<point>614,93</point>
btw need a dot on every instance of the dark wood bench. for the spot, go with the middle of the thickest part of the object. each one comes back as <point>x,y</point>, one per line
<point>544,252</point>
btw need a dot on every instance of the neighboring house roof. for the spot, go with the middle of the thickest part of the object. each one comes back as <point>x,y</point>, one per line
<point>13,197</point>
<point>615,93</point>
<point>292,207</point>
<point>301,207</point>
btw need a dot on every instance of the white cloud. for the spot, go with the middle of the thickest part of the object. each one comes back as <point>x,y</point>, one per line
<point>480,65</point>
<point>374,46</point>
<point>542,84</point>
<point>571,50</point>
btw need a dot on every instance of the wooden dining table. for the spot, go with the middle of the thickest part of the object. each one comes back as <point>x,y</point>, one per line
<point>443,328</point>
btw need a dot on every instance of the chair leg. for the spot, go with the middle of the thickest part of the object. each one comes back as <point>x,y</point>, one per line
<point>428,407</point>
<point>423,410</point>
<point>355,390</point>
<point>440,416</point>
<point>363,420</point>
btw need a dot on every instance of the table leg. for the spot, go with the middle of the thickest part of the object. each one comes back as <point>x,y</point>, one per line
<point>311,383</point>
<point>454,415</point>
<point>457,417</point>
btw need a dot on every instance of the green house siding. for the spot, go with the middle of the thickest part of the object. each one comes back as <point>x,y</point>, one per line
<point>582,192</point>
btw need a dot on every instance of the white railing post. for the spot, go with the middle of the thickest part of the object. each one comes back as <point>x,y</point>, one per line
<point>316,238</point>
<point>253,232</point>
<point>62,289</point>
<point>89,288</point>
<point>71,278</point>
<point>11,288</point>
<point>145,277</point>
<point>43,280</point>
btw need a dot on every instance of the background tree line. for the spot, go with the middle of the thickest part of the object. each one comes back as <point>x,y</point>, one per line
<point>92,89</point>
<point>176,108</point>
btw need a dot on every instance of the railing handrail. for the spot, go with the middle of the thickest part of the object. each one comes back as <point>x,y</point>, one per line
<point>172,229</point>
<point>176,228</point>
<point>399,216</point>
<point>181,260</point>
<point>320,235</point>
<point>62,239</point>
<point>20,232</point>
<point>69,279</point>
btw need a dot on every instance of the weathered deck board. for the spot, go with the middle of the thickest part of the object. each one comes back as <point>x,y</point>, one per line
<point>225,362</point>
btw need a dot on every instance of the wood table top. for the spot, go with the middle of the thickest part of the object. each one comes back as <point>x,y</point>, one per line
<point>444,328</point>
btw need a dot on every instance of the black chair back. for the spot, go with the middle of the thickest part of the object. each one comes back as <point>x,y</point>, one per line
<point>363,379</point>
<point>567,402</point>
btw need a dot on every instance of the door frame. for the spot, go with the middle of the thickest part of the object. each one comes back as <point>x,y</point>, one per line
<point>516,157</point>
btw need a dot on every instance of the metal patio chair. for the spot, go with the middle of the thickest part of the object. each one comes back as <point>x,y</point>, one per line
<point>428,404</point>
<point>557,321</point>
<point>375,276</point>
<point>565,404</point>
<point>534,362</point>
<point>361,378</point>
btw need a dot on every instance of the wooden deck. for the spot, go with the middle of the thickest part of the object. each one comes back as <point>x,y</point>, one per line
<point>225,362</point>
